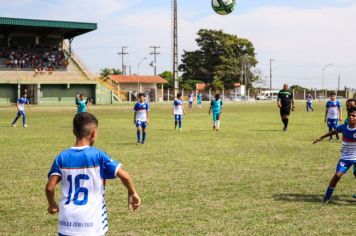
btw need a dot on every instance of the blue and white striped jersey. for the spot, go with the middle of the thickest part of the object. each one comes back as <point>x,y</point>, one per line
<point>333,109</point>
<point>21,103</point>
<point>83,171</point>
<point>141,111</point>
<point>177,107</point>
<point>348,148</point>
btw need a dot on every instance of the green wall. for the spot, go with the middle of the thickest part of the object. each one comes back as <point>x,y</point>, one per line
<point>8,93</point>
<point>59,93</point>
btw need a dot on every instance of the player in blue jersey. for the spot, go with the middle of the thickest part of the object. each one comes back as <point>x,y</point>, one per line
<point>21,110</point>
<point>350,103</point>
<point>348,151</point>
<point>82,104</point>
<point>333,114</point>
<point>178,111</point>
<point>141,118</point>
<point>83,171</point>
<point>216,108</point>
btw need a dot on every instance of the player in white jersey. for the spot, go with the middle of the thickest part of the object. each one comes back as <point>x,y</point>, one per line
<point>333,114</point>
<point>83,171</point>
<point>141,117</point>
<point>178,111</point>
<point>348,151</point>
<point>309,103</point>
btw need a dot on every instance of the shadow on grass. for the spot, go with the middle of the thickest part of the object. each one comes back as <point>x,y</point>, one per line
<point>267,130</point>
<point>317,198</point>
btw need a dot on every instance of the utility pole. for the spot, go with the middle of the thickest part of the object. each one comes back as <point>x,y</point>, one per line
<point>155,53</point>
<point>270,73</point>
<point>175,47</point>
<point>123,53</point>
<point>323,78</point>
<point>338,82</point>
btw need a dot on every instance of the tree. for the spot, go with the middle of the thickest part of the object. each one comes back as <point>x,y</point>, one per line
<point>168,75</point>
<point>104,73</point>
<point>220,60</point>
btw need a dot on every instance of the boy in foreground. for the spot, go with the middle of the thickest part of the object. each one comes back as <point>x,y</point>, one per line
<point>178,111</point>
<point>141,117</point>
<point>83,171</point>
<point>333,114</point>
<point>21,110</point>
<point>216,108</point>
<point>348,151</point>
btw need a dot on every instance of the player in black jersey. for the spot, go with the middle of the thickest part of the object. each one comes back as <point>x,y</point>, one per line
<point>285,103</point>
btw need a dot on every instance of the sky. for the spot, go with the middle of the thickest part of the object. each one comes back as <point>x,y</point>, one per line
<point>301,36</point>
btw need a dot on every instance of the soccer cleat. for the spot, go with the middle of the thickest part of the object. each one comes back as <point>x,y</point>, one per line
<point>180,129</point>
<point>25,126</point>
<point>138,143</point>
<point>285,129</point>
<point>331,140</point>
<point>13,125</point>
<point>326,201</point>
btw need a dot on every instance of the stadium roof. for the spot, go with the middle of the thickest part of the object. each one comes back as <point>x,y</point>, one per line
<point>125,79</point>
<point>65,28</point>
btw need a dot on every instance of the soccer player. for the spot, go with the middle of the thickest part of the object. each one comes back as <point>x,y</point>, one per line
<point>199,100</point>
<point>309,102</point>
<point>350,103</point>
<point>141,117</point>
<point>21,110</point>
<point>216,108</point>
<point>333,114</point>
<point>82,104</point>
<point>83,171</point>
<point>285,103</point>
<point>191,100</point>
<point>348,151</point>
<point>178,111</point>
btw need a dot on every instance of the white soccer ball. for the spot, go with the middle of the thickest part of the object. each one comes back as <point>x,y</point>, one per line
<point>223,7</point>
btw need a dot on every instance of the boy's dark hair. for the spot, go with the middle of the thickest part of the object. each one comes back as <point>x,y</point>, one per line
<point>23,94</point>
<point>217,96</point>
<point>351,100</point>
<point>179,95</point>
<point>82,94</point>
<point>351,110</point>
<point>141,95</point>
<point>82,123</point>
<point>332,94</point>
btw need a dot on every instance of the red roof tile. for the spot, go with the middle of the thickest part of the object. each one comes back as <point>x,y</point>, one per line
<point>130,79</point>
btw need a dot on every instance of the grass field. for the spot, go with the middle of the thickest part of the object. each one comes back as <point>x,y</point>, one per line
<point>248,179</point>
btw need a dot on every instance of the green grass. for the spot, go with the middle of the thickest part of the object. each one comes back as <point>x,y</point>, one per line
<point>248,179</point>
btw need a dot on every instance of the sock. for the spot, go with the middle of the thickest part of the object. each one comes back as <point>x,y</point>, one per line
<point>175,124</point>
<point>180,124</point>
<point>218,124</point>
<point>329,192</point>
<point>138,136</point>
<point>285,122</point>
<point>143,137</point>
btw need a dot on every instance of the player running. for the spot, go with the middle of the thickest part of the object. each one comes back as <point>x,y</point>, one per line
<point>309,98</point>
<point>141,118</point>
<point>83,171</point>
<point>216,108</point>
<point>333,114</point>
<point>348,151</point>
<point>285,103</point>
<point>82,104</point>
<point>178,111</point>
<point>21,110</point>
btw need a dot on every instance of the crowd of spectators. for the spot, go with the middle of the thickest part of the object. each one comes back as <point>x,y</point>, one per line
<point>35,58</point>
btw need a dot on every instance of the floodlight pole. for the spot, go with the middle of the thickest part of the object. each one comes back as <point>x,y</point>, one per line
<point>123,53</point>
<point>270,74</point>
<point>323,78</point>
<point>175,47</point>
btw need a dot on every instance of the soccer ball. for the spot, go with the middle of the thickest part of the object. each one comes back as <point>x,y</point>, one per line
<point>223,7</point>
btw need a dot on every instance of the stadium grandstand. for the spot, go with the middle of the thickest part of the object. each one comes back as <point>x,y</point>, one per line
<point>36,57</point>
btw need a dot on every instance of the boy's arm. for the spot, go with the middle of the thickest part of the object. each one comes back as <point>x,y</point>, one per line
<point>134,200</point>
<point>326,114</point>
<point>210,110</point>
<point>135,117</point>
<point>50,192</point>
<point>325,136</point>
<point>148,116</point>
<point>340,114</point>
<point>293,104</point>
